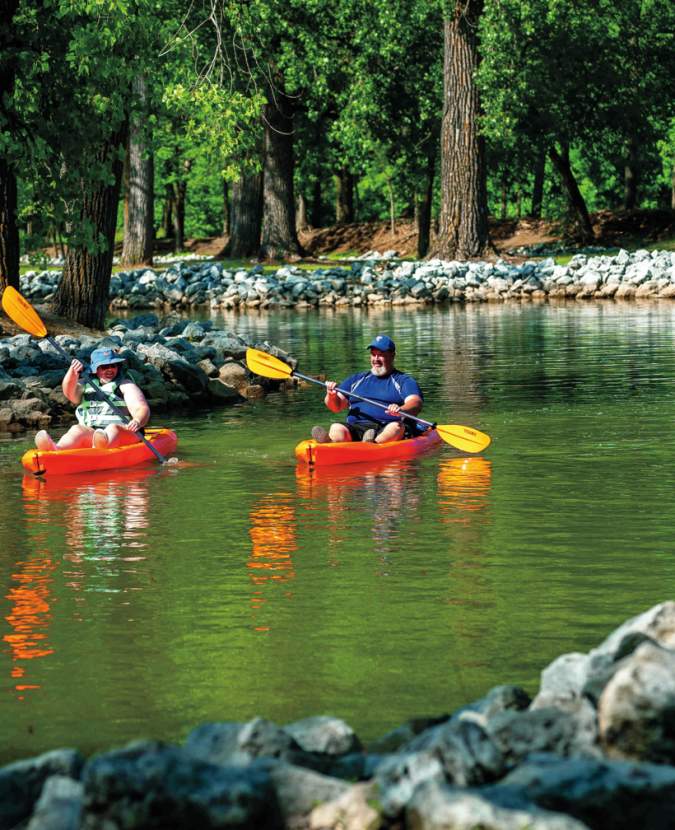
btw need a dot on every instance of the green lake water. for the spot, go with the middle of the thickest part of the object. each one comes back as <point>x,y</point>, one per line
<point>143,603</point>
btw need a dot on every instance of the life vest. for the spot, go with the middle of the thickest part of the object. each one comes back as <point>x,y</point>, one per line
<point>97,413</point>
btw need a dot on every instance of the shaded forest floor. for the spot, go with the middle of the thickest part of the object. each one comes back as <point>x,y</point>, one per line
<point>629,229</point>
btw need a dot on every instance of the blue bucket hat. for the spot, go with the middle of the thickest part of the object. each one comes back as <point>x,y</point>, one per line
<point>383,343</point>
<point>104,357</point>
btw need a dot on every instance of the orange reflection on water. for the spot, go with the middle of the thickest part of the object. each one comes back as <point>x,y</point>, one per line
<point>94,510</point>
<point>273,534</point>
<point>29,616</point>
<point>463,487</point>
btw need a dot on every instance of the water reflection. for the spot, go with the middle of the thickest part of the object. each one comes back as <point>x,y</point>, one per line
<point>96,514</point>
<point>99,512</point>
<point>273,534</point>
<point>386,495</point>
<point>463,488</point>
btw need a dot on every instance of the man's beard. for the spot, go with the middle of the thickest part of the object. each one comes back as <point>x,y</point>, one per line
<point>379,371</point>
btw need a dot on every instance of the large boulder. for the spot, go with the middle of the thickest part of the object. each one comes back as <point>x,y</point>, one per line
<point>636,710</point>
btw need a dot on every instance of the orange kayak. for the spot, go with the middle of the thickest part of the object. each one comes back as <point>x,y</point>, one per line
<point>64,462</point>
<point>354,452</point>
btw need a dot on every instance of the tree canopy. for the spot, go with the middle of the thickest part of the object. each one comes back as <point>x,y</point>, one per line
<point>337,109</point>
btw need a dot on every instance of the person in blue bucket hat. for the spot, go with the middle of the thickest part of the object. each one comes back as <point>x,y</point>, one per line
<point>98,425</point>
<point>384,383</point>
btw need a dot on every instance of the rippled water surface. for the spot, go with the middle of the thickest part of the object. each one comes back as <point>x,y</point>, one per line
<point>145,602</point>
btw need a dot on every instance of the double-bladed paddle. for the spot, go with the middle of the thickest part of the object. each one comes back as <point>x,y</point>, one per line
<point>26,317</point>
<point>462,438</point>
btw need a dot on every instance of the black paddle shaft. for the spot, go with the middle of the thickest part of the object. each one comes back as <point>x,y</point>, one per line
<point>366,400</point>
<point>104,397</point>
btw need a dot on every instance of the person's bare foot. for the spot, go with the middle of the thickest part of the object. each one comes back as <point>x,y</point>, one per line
<point>320,435</point>
<point>99,440</point>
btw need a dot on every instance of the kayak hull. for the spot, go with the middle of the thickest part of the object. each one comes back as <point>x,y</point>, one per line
<point>359,452</point>
<point>86,459</point>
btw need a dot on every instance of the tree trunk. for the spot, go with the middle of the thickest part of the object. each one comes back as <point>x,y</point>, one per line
<point>179,196</point>
<point>464,214</point>
<point>167,213</point>
<point>9,229</point>
<point>672,187</point>
<point>344,201</point>
<point>278,238</point>
<point>561,162</point>
<point>519,203</point>
<point>246,217</point>
<point>631,175</point>
<point>82,295</point>
<point>423,211</point>
<point>504,202</point>
<point>392,207</point>
<point>139,217</point>
<point>317,203</point>
<point>226,208</point>
<point>301,221</point>
<point>538,185</point>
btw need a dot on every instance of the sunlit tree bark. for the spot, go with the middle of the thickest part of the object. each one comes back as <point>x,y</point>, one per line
<point>464,214</point>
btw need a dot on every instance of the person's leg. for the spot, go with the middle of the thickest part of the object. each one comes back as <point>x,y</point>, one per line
<point>44,441</point>
<point>339,432</point>
<point>393,431</point>
<point>119,436</point>
<point>76,437</point>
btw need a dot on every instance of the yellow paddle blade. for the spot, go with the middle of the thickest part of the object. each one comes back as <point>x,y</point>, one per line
<point>266,365</point>
<point>22,312</point>
<point>463,438</point>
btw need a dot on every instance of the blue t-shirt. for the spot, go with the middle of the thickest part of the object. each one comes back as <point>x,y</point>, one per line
<point>395,388</point>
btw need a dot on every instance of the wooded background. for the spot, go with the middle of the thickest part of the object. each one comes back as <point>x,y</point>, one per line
<point>254,119</point>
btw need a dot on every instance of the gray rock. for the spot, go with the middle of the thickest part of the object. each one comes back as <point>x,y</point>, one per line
<point>299,790</point>
<point>397,777</point>
<point>436,806</point>
<point>637,707</point>
<point>325,734</point>
<point>59,806</point>
<point>152,785</point>
<point>21,782</point>
<point>603,794</point>
<point>573,732</point>
<point>466,751</point>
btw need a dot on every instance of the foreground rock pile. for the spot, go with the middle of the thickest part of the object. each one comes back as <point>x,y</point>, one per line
<point>180,365</point>
<point>594,749</point>
<point>384,282</point>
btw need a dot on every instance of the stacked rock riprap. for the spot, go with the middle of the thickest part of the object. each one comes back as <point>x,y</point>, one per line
<point>179,364</point>
<point>377,282</point>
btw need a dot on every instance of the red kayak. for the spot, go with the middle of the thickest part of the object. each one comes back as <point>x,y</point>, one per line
<point>352,452</point>
<point>64,462</point>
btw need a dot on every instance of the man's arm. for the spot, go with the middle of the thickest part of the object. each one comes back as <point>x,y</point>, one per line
<point>334,400</point>
<point>137,406</point>
<point>70,385</point>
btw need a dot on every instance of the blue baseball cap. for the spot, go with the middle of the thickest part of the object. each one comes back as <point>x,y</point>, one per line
<point>383,343</point>
<point>104,357</point>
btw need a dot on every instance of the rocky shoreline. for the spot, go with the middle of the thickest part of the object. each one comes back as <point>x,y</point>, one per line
<point>594,749</point>
<point>381,282</point>
<point>180,365</point>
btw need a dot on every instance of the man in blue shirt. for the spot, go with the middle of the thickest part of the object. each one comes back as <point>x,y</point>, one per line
<point>383,383</point>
